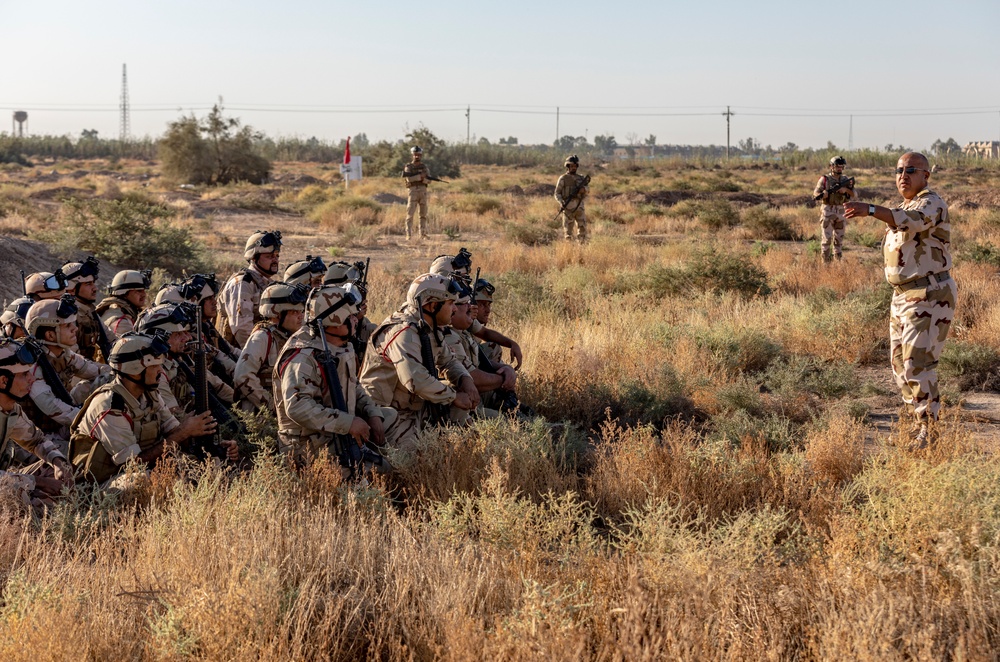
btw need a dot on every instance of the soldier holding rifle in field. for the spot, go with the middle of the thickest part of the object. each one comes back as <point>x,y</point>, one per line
<point>834,189</point>
<point>416,176</point>
<point>917,254</point>
<point>571,189</point>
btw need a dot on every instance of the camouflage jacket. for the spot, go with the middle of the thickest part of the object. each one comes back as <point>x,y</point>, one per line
<point>464,346</point>
<point>565,186</point>
<point>113,427</point>
<point>827,181</point>
<point>87,335</point>
<point>48,411</point>
<point>920,244</point>
<point>393,373</point>
<point>118,315</point>
<point>16,427</point>
<point>307,417</point>
<point>176,390</point>
<point>238,303</point>
<point>416,174</point>
<point>253,377</point>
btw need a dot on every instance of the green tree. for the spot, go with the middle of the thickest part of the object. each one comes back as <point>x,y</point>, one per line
<point>217,150</point>
<point>605,143</point>
<point>942,147</point>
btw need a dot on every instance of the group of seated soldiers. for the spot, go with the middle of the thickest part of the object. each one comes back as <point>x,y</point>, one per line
<point>88,387</point>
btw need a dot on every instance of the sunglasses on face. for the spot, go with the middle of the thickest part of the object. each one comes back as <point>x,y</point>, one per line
<point>909,170</point>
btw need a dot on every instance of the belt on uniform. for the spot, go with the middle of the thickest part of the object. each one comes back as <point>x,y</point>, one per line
<point>939,277</point>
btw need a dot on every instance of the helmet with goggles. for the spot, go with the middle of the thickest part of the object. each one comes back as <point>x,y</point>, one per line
<point>448,265</point>
<point>305,270</point>
<point>281,297</point>
<point>50,313</point>
<point>331,305</point>
<point>16,311</point>
<point>134,352</point>
<point>838,161</point>
<point>16,356</point>
<point>130,279</point>
<point>45,285</point>
<point>262,241</point>
<point>199,287</point>
<point>170,317</point>
<point>484,290</point>
<point>82,272</point>
<point>432,288</point>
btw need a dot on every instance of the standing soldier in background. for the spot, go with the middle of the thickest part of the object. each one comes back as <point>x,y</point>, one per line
<point>416,175</point>
<point>917,254</point>
<point>572,203</point>
<point>240,296</point>
<point>120,310</point>
<point>834,189</point>
<point>81,282</point>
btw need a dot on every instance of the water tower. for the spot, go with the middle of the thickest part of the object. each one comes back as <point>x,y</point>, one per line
<point>20,117</point>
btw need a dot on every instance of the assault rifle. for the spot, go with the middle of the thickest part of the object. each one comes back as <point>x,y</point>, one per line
<point>24,286</point>
<point>437,413</point>
<point>833,188</point>
<point>583,183</point>
<point>203,397</point>
<point>49,373</point>
<point>362,283</point>
<point>351,454</point>
<point>426,176</point>
<point>102,338</point>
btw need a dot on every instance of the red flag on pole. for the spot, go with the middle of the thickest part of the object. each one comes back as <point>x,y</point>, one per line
<point>347,152</point>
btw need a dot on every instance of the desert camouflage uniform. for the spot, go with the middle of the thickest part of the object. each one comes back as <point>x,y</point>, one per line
<point>114,427</point>
<point>118,315</point>
<point>254,371</point>
<point>307,417</point>
<point>238,302</point>
<point>917,262</point>
<point>177,392</point>
<point>394,375</point>
<point>415,175</point>
<point>574,211</point>
<point>44,408</point>
<point>87,336</point>
<point>832,220</point>
<point>29,443</point>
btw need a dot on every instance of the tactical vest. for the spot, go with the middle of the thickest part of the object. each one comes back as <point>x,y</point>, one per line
<point>87,335</point>
<point>90,458</point>
<point>836,198</point>
<point>45,422</point>
<point>222,320</point>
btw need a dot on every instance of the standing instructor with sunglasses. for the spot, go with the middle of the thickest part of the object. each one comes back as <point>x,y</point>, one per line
<point>917,254</point>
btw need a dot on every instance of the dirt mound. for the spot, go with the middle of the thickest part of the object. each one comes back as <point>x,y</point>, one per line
<point>60,193</point>
<point>541,190</point>
<point>513,190</point>
<point>31,256</point>
<point>792,201</point>
<point>745,197</point>
<point>296,181</point>
<point>986,199</point>
<point>388,199</point>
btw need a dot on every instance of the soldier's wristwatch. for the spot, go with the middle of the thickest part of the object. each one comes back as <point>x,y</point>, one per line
<point>871,210</point>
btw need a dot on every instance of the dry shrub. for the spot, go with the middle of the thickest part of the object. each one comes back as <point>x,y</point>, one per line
<point>835,451</point>
<point>340,213</point>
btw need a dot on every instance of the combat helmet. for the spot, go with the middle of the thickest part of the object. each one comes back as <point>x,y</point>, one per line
<point>484,290</point>
<point>45,285</point>
<point>50,313</point>
<point>16,357</point>
<point>170,317</point>
<point>332,305</point>
<point>416,150</point>
<point>15,312</point>
<point>134,352</point>
<point>574,159</point>
<point>305,270</point>
<point>129,279</point>
<point>81,272</point>
<point>199,287</point>
<point>281,297</point>
<point>262,241</point>
<point>450,265</point>
<point>340,273</point>
<point>838,160</point>
<point>431,288</point>
<point>169,293</point>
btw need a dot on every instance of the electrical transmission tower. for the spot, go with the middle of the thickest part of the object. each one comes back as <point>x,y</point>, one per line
<point>124,129</point>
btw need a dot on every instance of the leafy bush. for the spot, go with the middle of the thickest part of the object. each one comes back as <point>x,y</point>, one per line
<point>727,272</point>
<point>355,209</point>
<point>214,151</point>
<point>530,235</point>
<point>387,159</point>
<point>717,214</point>
<point>971,365</point>
<point>739,350</point>
<point>808,374</point>
<point>764,223</point>
<point>983,254</point>
<point>129,233</point>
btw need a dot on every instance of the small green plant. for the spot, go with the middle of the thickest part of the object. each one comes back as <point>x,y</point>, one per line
<point>530,235</point>
<point>985,253</point>
<point>764,223</point>
<point>718,214</point>
<point>969,364</point>
<point>452,232</point>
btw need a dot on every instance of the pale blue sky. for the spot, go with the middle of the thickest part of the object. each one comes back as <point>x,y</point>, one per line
<point>666,57</point>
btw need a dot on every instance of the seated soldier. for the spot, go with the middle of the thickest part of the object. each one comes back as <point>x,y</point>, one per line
<point>126,298</point>
<point>81,282</point>
<point>126,418</point>
<point>57,394</point>
<point>16,360</point>
<point>364,327</point>
<point>309,416</point>
<point>283,307</point>
<point>202,290</point>
<point>342,273</point>
<point>406,354</point>
<point>45,285</point>
<point>459,266</point>
<point>240,296</point>
<point>13,317</point>
<point>484,307</point>
<point>308,272</point>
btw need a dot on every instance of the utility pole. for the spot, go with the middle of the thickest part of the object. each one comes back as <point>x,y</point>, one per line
<point>468,124</point>
<point>557,125</point>
<point>728,114</point>
<point>850,135</point>
<point>123,126</point>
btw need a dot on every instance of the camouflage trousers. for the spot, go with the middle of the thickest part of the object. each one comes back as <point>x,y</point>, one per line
<point>918,326</point>
<point>417,200</point>
<point>575,216</point>
<point>833,222</point>
<point>402,434</point>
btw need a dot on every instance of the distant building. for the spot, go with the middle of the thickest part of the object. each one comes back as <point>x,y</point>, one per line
<point>986,149</point>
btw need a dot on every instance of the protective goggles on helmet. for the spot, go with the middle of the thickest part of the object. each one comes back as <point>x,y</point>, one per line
<point>270,239</point>
<point>89,267</point>
<point>462,261</point>
<point>67,306</point>
<point>313,265</point>
<point>20,307</point>
<point>483,285</point>
<point>180,315</point>
<point>195,285</point>
<point>299,294</point>
<point>349,299</point>
<point>157,348</point>
<point>24,354</point>
<point>56,281</point>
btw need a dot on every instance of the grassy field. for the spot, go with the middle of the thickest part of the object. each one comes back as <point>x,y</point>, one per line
<point>719,473</point>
